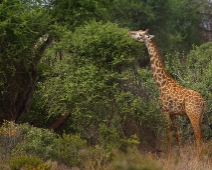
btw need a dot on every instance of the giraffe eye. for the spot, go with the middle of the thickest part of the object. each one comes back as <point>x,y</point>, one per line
<point>141,35</point>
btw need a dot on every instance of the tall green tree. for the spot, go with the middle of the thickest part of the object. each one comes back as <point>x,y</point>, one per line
<point>96,88</point>
<point>173,22</point>
<point>25,34</point>
<point>75,13</point>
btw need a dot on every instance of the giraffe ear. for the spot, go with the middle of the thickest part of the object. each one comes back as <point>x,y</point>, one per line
<point>147,30</point>
<point>151,36</point>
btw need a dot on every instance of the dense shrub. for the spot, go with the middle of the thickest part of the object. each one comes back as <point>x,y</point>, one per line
<point>70,150</point>
<point>38,142</point>
<point>25,140</point>
<point>67,150</point>
<point>28,163</point>
<point>110,139</point>
<point>10,135</point>
<point>98,83</point>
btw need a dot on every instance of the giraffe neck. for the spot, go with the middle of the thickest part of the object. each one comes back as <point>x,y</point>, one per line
<point>162,78</point>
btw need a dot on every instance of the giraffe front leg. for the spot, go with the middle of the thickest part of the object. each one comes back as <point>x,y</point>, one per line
<point>168,133</point>
<point>177,134</point>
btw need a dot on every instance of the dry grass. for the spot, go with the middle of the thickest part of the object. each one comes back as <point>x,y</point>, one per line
<point>97,160</point>
<point>135,160</point>
<point>188,159</point>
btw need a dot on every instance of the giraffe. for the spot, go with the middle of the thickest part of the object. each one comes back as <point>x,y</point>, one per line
<point>174,99</point>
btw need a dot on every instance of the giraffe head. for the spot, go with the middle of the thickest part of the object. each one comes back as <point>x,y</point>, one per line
<point>140,35</point>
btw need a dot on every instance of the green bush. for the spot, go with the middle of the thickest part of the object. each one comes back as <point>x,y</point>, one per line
<point>25,139</point>
<point>111,139</point>
<point>28,163</point>
<point>38,142</point>
<point>99,84</point>
<point>67,149</point>
<point>10,135</point>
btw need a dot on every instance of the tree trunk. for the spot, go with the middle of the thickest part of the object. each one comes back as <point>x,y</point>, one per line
<point>59,122</point>
<point>18,89</point>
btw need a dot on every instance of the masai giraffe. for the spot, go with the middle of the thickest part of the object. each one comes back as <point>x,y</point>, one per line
<point>174,99</point>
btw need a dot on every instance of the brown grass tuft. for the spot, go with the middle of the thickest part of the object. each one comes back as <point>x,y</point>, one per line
<point>188,160</point>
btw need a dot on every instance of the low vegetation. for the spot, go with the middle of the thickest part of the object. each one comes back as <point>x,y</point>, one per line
<point>49,151</point>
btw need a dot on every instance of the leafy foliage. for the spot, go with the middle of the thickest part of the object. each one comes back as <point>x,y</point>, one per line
<point>10,137</point>
<point>21,27</point>
<point>173,22</point>
<point>95,84</point>
<point>24,139</point>
<point>76,13</point>
<point>37,142</point>
<point>138,14</point>
<point>67,150</point>
<point>28,163</point>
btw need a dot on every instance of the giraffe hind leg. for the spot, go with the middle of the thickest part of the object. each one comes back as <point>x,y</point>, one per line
<point>196,124</point>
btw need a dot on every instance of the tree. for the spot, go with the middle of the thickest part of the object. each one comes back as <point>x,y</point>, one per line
<point>96,86</point>
<point>174,23</point>
<point>25,34</point>
<point>76,13</point>
<point>138,14</point>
